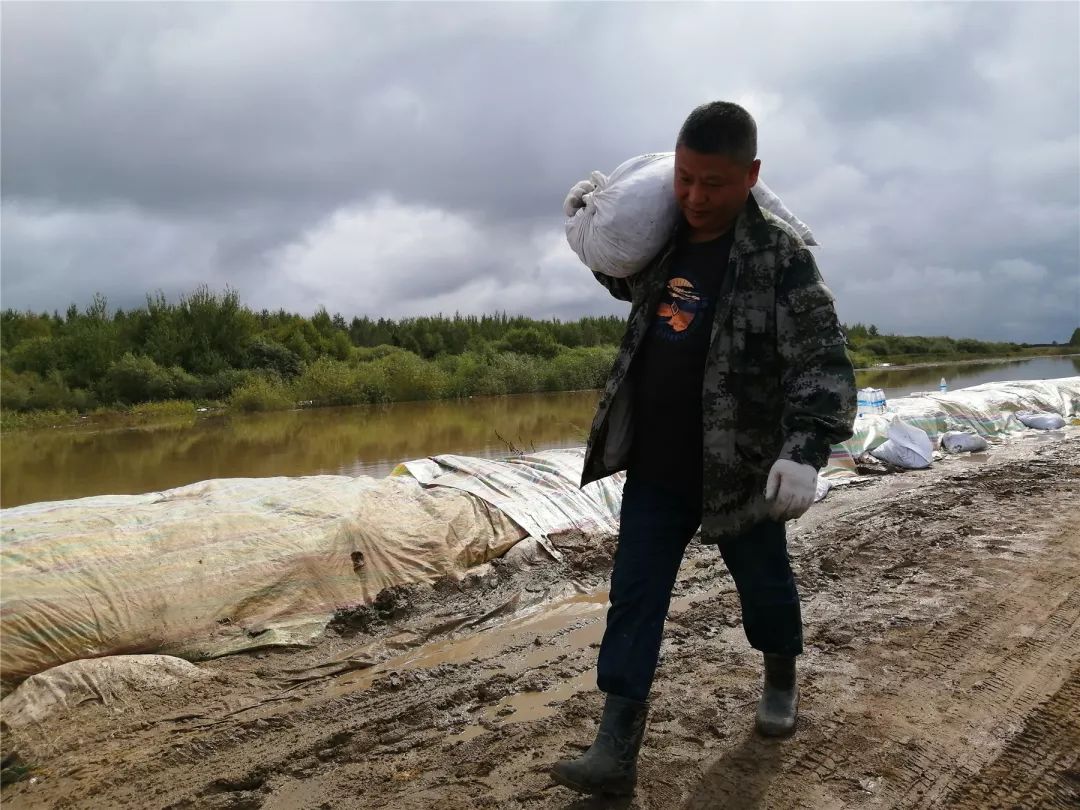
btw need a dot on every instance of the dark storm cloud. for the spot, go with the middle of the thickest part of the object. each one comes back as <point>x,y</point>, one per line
<point>402,158</point>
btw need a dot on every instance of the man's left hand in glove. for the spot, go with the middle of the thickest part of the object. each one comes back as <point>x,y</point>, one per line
<point>791,488</point>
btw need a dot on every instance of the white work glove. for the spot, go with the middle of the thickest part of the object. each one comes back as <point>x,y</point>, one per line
<point>575,199</point>
<point>791,488</point>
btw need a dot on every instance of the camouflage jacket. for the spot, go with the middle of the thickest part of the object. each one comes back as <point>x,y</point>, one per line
<point>778,382</point>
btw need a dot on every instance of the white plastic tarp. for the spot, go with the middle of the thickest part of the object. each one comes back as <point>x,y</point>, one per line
<point>109,680</point>
<point>540,492</point>
<point>223,565</point>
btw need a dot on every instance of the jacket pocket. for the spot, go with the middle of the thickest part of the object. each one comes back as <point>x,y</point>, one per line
<point>753,342</point>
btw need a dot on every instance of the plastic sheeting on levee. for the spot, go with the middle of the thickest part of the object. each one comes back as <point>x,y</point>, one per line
<point>988,410</point>
<point>232,564</point>
<point>223,565</point>
<point>540,492</point>
<point>109,680</point>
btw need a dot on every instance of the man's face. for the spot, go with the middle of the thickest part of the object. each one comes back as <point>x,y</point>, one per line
<point>711,189</point>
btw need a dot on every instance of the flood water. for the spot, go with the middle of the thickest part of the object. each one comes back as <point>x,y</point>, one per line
<point>74,462</point>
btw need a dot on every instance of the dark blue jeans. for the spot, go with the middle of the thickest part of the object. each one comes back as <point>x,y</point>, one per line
<point>656,526</point>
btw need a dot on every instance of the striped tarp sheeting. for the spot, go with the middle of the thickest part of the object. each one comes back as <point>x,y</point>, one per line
<point>539,491</point>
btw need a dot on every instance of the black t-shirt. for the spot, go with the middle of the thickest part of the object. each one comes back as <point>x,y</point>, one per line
<point>669,369</point>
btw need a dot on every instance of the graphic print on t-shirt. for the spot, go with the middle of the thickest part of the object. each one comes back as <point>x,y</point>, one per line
<point>678,309</point>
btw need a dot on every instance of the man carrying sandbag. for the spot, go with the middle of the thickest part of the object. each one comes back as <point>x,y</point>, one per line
<point>731,384</point>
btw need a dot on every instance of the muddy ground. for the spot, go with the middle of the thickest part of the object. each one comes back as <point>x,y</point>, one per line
<point>942,612</point>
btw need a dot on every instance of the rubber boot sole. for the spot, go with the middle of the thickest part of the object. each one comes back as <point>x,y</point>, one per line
<point>567,782</point>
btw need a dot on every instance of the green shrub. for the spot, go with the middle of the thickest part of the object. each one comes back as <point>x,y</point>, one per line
<point>185,386</point>
<point>136,378</point>
<point>29,391</point>
<point>529,340</point>
<point>39,354</point>
<point>340,348</point>
<point>217,387</point>
<point>408,378</point>
<point>363,354</point>
<point>861,360</point>
<point>517,373</point>
<point>579,369</point>
<point>267,354</point>
<point>371,384</point>
<point>15,388</point>
<point>470,375</point>
<point>261,394</point>
<point>327,382</point>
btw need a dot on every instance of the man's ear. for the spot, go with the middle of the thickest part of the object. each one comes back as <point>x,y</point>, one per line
<point>755,170</point>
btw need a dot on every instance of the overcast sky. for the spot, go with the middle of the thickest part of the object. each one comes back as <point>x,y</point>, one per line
<point>406,159</point>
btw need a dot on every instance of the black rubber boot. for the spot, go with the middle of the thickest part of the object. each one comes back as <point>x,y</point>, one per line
<point>779,705</point>
<point>610,765</point>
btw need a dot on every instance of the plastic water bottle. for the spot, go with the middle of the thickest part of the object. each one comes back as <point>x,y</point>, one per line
<point>879,401</point>
<point>943,386</point>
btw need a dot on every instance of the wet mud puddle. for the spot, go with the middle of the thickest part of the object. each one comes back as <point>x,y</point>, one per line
<point>534,638</point>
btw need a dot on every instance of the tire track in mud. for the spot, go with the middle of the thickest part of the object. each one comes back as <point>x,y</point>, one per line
<point>1011,681</point>
<point>1005,681</point>
<point>1039,766</point>
<point>989,712</point>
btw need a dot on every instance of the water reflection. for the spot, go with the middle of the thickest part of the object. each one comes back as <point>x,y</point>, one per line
<point>900,382</point>
<point>71,463</point>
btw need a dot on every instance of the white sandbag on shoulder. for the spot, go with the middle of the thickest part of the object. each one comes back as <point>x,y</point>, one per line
<point>768,200</point>
<point>958,441</point>
<point>1041,421</point>
<point>907,447</point>
<point>629,218</point>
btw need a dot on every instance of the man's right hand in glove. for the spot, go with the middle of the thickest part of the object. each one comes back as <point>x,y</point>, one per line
<point>575,199</point>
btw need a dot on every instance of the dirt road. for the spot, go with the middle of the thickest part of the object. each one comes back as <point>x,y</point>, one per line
<point>942,614</point>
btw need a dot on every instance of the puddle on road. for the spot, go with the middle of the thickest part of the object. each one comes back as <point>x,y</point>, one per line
<point>530,706</point>
<point>553,622</point>
<point>980,457</point>
<point>542,620</point>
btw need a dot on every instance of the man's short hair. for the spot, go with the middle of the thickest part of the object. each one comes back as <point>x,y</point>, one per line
<point>721,128</point>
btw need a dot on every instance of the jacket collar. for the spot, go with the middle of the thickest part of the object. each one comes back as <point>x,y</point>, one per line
<point>752,232</point>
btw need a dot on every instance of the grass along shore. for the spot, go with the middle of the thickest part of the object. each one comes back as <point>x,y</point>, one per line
<point>394,375</point>
<point>330,385</point>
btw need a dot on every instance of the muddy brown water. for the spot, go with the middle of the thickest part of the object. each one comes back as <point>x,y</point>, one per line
<point>63,463</point>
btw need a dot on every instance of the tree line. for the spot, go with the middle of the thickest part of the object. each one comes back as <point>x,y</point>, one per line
<point>209,348</point>
<point>867,346</point>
